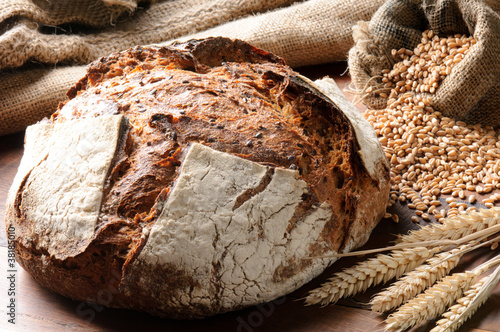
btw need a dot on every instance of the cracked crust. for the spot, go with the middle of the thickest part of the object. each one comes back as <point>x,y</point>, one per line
<point>219,170</point>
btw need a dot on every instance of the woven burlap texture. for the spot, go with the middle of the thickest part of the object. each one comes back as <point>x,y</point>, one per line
<point>159,22</point>
<point>49,12</point>
<point>44,47</point>
<point>472,91</point>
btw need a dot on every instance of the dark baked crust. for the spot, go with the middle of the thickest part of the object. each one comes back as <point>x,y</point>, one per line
<point>223,94</point>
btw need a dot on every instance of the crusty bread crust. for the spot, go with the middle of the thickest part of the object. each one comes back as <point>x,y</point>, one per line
<point>248,110</point>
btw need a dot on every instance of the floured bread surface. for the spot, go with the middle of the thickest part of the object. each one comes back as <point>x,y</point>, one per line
<point>63,182</point>
<point>231,220</point>
<point>194,179</point>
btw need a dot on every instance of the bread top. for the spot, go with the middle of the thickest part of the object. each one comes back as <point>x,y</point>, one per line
<point>231,104</point>
<point>225,95</point>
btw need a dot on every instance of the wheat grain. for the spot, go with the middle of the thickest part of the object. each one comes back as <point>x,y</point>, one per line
<point>431,303</point>
<point>373,271</point>
<point>428,152</point>
<point>417,281</point>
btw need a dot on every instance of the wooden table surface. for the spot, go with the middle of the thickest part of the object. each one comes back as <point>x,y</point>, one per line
<point>38,309</point>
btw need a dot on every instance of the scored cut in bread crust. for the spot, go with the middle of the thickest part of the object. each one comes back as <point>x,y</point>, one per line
<point>224,169</point>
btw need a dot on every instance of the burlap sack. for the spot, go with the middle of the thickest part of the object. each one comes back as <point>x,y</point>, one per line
<point>308,33</point>
<point>90,13</point>
<point>61,32</point>
<point>472,91</point>
<point>160,21</point>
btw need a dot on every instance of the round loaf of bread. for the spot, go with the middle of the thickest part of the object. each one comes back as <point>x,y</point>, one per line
<point>193,179</point>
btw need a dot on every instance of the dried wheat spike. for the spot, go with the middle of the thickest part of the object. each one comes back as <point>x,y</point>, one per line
<point>455,227</point>
<point>462,304</point>
<point>415,282</point>
<point>431,303</point>
<point>473,299</point>
<point>373,271</point>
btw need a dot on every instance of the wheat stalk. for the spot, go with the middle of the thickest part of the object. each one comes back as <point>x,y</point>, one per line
<point>437,298</point>
<point>431,303</point>
<point>473,299</point>
<point>456,227</point>
<point>471,231</point>
<point>373,271</point>
<point>483,229</point>
<point>456,310</point>
<point>415,282</point>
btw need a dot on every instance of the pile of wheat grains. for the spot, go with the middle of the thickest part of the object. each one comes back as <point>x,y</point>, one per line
<point>431,155</point>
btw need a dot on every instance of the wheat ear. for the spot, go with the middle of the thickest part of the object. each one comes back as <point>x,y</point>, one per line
<point>415,282</point>
<point>425,275</point>
<point>462,304</point>
<point>466,306</point>
<point>472,239</point>
<point>436,299</point>
<point>431,303</point>
<point>373,271</point>
<point>456,227</point>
